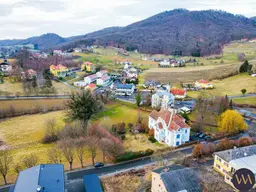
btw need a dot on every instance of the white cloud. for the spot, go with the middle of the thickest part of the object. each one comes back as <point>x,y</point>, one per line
<point>24,18</point>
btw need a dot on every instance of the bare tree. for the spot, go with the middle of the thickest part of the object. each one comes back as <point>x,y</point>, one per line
<point>30,160</point>
<point>68,150</point>
<point>17,168</point>
<point>54,155</point>
<point>5,163</point>
<point>92,143</point>
<point>80,149</point>
<point>50,131</point>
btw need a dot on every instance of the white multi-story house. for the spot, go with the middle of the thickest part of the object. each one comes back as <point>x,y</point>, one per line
<point>169,127</point>
<point>5,67</point>
<point>162,99</point>
<point>101,73</point>
<point>91,78</point>
<point>124,89</point>
<point>104,80</point>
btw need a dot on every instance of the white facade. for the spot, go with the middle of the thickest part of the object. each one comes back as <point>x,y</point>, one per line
<point>103,80</point>
<point>169,128</point>
<point>80,84</point>
<point>126,89</point>
<point>164,63</point>
<point>101,73</point>
<point>91,78</point>
<point>5,68</point>
<point>162,99</point>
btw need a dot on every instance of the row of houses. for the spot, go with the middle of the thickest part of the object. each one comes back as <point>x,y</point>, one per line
<point>172,63</point>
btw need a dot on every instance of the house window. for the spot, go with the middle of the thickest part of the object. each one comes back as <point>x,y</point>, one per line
<point>217,166</point>
<point>178,136</point>
<point>177,143</point>
<point>226,164</point>
<point>219,159</point>
<point>186,131</point>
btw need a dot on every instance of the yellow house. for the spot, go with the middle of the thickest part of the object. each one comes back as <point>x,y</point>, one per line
<point>59,70</point>
<point>228,162</point>
<point>86,66</point>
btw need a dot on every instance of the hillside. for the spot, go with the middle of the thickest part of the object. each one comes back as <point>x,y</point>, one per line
<point>177,31</point>
<point>45,41</point>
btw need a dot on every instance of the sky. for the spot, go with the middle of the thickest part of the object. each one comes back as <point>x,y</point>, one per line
<point>26,18</point>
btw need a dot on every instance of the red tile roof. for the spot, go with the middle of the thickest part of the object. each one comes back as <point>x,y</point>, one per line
<point>92,86</point>
<point>57,67</point>
<point>176,120</point>
<point>178,91</point>
<point>203,81</point>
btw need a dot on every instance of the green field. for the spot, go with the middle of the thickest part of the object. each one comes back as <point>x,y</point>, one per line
<point>246,100</point>
<point>16,88</point>
<point>23,134</point>
<point>229,86</point>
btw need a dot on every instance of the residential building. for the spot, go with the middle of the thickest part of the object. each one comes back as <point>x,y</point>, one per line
<point>162,99</point>
<point>5,67</point>
<point>57,52</point>
<point>179,93</point>
<point>131,73</point>
<point>44,177</point>
<point>176,178</point>
<point>169,127</point>
<point>59,70</point>
<point>91,87</point>
<point>163,88</point>
<point>77,50</point>
<point>90,79</point>
<point>203,84</point>
<point>164,63</point>
<point>124,89</point>
<point>92,183</point>
<point>86,66</point>
<point>151,84</point>
<point>80,84</point>
<point>229,161</point>
<point>101,73</point>
<point>104,80</point>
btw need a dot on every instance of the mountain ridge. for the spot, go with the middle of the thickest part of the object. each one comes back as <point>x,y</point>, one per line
<point>171,32</point>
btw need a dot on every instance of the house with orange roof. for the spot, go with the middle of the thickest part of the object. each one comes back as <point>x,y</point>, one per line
<point>91,87</point>
<point>59,70</point>
<point>179,93</point>
<point>169,127</point>
<point>203,84</point>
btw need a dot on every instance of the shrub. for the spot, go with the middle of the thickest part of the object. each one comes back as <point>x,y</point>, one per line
<point>133,155</point>
<point>246,141</point>
<point>152,139</point>
<point>151,132</point>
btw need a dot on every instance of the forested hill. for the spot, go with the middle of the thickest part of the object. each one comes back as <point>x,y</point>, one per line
<point>172,32</point>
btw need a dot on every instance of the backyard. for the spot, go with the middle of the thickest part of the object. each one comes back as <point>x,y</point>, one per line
<point>23,134</point>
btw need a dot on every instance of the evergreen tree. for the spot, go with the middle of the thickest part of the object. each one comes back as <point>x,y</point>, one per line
<point>231,104</point>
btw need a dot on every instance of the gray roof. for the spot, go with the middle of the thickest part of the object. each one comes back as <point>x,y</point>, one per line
<point>50,177</point>
<point>170,168</point>
<point>182,179</point>
<point>237,153</point>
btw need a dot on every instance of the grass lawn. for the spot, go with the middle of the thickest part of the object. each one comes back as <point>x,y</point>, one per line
<point>233,85</point>
<point>23,134</point>
<point>246,100</point>
<point>28,104</point>
<point>16,87</point>
<point>230,86</point>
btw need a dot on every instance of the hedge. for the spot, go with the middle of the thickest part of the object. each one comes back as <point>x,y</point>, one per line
<point>133,155</point>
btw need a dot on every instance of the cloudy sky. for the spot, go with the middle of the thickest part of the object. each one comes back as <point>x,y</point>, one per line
<point>25,18</point>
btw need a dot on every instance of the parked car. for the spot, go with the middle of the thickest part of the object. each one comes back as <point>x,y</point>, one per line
<point>98,165</point>
<point>197,134</point>
<point>202,135</point>
<point>207,137</point>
